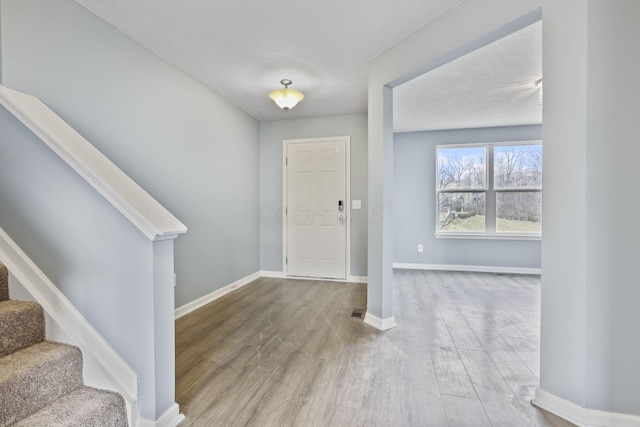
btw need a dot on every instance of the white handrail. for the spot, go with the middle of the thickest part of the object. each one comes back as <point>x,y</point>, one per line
<point>156,222</point>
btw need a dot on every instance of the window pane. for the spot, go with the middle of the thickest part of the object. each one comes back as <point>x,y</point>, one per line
<point>519,212</point>
<point>461,212</point>
<point>461,168</point>
<point>517,166</point>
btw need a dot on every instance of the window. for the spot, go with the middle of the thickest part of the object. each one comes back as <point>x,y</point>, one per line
<point>489,189</point>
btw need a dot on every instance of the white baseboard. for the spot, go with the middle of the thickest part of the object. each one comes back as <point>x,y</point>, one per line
<point>272,274</point>
<point>281,275</point>
<point>378,323</point>
<point>580,416</point>
<point>171,418</point>
<point>204,300</point>
<point>474,268</point>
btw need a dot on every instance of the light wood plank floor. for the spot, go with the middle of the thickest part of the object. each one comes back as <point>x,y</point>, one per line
<point>288,353</point>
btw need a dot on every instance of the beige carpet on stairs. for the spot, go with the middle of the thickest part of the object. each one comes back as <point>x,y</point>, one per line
<point>4,283</point>
<point>41,381</point>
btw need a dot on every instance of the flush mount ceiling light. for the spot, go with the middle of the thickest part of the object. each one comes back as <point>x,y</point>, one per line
<point>286,98</point>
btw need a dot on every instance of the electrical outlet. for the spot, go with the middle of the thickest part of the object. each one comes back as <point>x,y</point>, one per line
<point>420,248</point>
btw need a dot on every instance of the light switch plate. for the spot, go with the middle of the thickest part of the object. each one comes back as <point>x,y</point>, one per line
<point>356,204</point>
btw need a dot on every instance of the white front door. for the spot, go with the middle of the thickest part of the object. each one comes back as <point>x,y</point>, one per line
<point>316,207</point>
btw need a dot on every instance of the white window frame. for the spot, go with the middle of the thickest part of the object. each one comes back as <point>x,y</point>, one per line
<point>490,196</point>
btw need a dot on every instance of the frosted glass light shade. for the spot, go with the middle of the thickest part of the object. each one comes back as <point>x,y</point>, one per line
<point>286,98</point>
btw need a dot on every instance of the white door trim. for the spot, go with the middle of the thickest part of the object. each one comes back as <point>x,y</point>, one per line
<point>347,202</point>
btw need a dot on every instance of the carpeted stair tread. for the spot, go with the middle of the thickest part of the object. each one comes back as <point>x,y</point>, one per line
<point>4,283</point>
<point>83,407</point>
<point>41,381</point>
<point>34,377</point>
<point>21,325</point>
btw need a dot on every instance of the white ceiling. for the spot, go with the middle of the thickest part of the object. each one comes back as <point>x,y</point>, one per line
<point>492,86</point>
<point>243,48</point>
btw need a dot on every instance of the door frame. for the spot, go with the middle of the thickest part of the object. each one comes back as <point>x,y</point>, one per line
<point>285,144</point>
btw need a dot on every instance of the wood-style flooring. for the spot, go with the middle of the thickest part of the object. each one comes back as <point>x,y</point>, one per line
<point>282,352</point>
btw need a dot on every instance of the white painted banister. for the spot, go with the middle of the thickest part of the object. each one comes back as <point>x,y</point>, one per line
<point>121,191</point>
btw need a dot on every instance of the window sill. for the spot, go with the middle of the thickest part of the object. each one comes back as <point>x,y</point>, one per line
<point>488,236</point>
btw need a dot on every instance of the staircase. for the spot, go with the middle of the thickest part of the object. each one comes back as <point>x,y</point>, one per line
<point>41,381</point>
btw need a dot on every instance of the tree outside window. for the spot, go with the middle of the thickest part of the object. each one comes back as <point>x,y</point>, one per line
<point>489,188</point>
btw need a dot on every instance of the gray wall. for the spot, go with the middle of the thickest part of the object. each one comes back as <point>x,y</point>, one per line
<point>190,149</point>
<point>563,349</point>
<point>590,347</point>
<point>414,203</point>
<point>0,44</point>
<point>613,176</point>
<point>272,133</point>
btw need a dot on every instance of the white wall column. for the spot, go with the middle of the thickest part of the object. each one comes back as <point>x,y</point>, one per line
<point>563,359</point>
<point>380,228</point>
<point>589,343</point>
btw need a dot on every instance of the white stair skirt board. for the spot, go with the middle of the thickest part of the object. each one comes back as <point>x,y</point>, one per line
<point>580,416</point>
<point>204,300</point>
<point>171,418</point>
<point>378,323</point>
<point>473,268</point>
